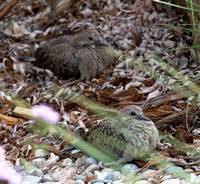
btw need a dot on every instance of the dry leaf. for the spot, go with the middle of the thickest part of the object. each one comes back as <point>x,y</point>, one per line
<point>169,43</point>
<point>15,30</point>
<point>153,94</point>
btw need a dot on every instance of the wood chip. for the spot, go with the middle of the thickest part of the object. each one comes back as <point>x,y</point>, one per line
<point>22,112</point>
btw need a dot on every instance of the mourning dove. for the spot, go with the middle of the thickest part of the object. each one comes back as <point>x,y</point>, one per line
<point>83,55</point>
<point>128,136</point>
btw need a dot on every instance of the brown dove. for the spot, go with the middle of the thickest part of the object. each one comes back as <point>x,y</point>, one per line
<point>83,55</point>
<point>128,136</point>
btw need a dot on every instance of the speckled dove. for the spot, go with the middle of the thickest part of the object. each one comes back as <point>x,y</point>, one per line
<point>83,55</point>
<point>128,136</point>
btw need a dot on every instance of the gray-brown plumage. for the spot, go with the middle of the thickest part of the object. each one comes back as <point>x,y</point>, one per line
<point>83,55</point>
<point>125,137</point>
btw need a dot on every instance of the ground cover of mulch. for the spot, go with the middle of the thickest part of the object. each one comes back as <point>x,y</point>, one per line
<point>134,28</point>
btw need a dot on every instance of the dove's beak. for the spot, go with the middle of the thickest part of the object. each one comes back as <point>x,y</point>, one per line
<point>141,117</point>
<point>100,43</point>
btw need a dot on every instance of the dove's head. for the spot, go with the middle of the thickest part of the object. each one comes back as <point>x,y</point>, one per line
<point>135,112</point>
<point>88,38</point>
<point>148,126</point>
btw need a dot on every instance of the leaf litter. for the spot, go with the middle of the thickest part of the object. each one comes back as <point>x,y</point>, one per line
<point>136,29</point>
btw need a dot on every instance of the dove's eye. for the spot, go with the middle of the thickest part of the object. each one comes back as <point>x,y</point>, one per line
<point>133,113</point>
<point>90,38</point>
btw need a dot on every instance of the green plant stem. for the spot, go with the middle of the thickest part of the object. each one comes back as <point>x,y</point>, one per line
<point>184,80</point>
<point>177,6</point>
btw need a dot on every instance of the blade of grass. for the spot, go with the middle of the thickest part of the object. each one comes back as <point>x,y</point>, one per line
<point>192,2</point>
<point>187,29</point>
<point>179,48</point>
<point>193,21</point>
<point>174,5</point>
<point>183,79</point>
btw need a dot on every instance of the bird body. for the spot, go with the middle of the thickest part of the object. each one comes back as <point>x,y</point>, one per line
<point>83,55</point>
<point>125,137</point>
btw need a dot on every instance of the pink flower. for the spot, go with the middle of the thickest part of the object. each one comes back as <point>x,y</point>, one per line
<point>7,174</point>
<point>45,112</point>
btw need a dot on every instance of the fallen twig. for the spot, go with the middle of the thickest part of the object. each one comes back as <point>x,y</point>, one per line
<point>7,8</point>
